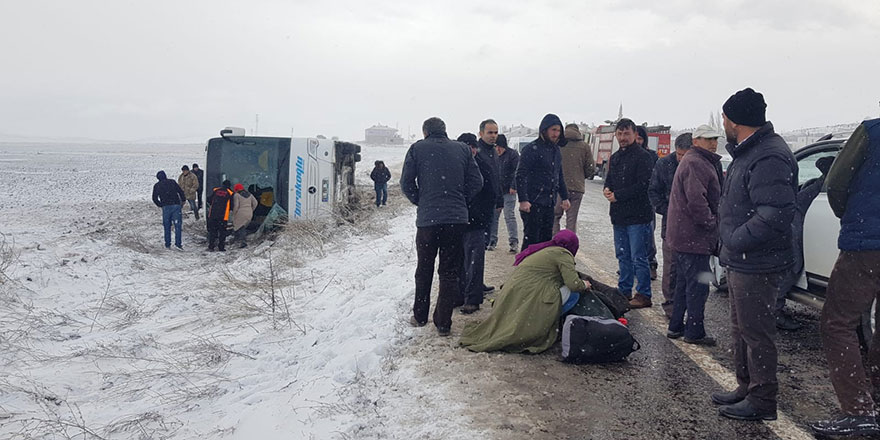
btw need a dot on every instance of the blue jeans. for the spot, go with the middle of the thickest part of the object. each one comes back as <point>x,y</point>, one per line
<point>631,248</point>
<point>381,193</point>
<point>509,210</point>
<point>171,214</point>
<point>691,292</point>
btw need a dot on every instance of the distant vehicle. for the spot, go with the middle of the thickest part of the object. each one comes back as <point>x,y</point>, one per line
<point>518,142</point>
<point>305,177</point>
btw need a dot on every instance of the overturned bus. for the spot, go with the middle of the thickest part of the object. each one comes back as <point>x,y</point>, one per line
<point>296,178</point>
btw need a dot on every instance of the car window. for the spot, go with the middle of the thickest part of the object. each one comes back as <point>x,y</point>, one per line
<point>807,169</point>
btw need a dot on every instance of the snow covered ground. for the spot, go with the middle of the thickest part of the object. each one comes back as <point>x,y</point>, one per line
<point>105,334</point>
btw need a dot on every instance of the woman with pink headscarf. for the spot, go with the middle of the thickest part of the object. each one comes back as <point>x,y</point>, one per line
<point>525,316</point>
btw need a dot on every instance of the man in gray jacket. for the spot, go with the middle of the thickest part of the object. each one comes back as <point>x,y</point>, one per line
<point>441,177</point>
<point>577,167</point>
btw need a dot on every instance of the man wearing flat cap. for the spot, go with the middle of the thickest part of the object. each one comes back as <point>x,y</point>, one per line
<point>758,202</point>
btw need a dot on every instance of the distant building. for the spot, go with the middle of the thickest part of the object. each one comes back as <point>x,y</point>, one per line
<point>381,135</point>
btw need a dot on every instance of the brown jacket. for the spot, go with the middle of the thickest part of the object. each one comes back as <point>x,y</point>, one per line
<point>243,206</point>
<point>190,185</point>
<point>577,161</point>
<point>692,215</point>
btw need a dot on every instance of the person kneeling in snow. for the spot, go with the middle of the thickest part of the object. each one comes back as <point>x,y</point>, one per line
<point>525,317</point>
<point>243,206</point>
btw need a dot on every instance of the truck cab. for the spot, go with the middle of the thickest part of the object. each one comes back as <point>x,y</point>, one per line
<point>305,177</point>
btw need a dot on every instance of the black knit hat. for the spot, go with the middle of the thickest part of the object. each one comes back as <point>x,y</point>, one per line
<point>468,138</point>
<point>501,141</point>
<point>746,107</point>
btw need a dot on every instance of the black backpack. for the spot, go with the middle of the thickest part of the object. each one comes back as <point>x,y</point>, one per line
<point>595,340</point>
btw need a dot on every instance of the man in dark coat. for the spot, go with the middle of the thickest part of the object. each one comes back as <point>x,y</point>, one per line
<point>441,177</point>
<point>854,195</point>
<point>508,160</point>
<point>480,211</point>
<point>200,174</point>
<point>219,208</point>
<point>626,187</point>
<point>169,196</point>
<point>486,150</point>
<point>658,193</point>
<point>756,211</point>
<point>539,180</point>
<point>380,177</point>
<point>693,234</point>
<point>642,139</point>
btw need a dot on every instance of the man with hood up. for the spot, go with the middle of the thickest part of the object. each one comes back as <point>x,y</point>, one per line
<point>577,167</point>
<point>243,206</point>
<point>539,181</point>
<point>168,195</point>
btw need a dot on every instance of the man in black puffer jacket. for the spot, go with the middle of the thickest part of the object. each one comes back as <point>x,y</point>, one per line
<point>539,180</point>
<point>626,187</point>
<point>758,201</point>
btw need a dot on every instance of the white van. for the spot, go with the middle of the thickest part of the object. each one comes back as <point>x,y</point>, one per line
<point>306,177</point>
<point>518,142</point>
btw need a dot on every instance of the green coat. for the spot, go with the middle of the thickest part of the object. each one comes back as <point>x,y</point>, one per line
<point>525,316</point>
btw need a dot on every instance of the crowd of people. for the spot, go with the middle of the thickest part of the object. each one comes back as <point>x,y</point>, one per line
<point>750,217</point>
<point>225,203</point>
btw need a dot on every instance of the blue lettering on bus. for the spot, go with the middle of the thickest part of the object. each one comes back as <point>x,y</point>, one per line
<point>300,169</point>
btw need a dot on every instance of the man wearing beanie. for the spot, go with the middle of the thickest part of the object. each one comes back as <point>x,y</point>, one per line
<point>480,211</point>
<point>757,207</point>
<point>626,187</point>
<point>577,167</point>
<point>440,177</point>
<point>508,160</point>
<point>658,192</point>
<point>539,180</point>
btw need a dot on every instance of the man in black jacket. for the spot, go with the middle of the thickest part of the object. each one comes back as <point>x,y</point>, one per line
<point>658,193</point>
<point>758,200</point>
<point>508,160</point>
<point>169,196</point>
<point>626,187</point>
<point>486,150</point>
<point>200,174</point>
<point>539,180</point>
<point>441,177</point>
<point>480,211</point>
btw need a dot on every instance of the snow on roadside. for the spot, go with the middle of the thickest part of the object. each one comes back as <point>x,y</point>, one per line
<point>105,332</point>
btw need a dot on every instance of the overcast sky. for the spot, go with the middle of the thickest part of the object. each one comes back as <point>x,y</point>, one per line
<point>129,70</point>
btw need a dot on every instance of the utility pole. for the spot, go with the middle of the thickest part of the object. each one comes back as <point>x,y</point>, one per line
<point>257,124</point>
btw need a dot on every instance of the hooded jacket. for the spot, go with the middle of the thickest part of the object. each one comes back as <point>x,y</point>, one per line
<point>629,175</point>
<point>380,176</point>
<point>441,177</point>
<point>189,183</point>
<point>539,177</point>
<point>758,201</point>
<point>577,161</point>
<point>167,192</point>
<point>243,206</point>
<point>693,204</point>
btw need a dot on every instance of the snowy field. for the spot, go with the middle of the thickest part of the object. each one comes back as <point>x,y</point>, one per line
<point>105,334</point>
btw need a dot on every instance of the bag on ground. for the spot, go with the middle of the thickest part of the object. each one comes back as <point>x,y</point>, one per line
<point>595,340</point>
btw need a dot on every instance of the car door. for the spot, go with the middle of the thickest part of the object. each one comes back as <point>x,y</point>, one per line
<point>821,227</point>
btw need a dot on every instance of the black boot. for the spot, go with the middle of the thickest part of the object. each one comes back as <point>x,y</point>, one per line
<point>744,410</point>
<point>727,398</point>
<point>847,425</point>
<point>786,322</point>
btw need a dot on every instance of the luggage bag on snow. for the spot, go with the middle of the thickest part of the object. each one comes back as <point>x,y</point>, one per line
<point>591,339</point>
